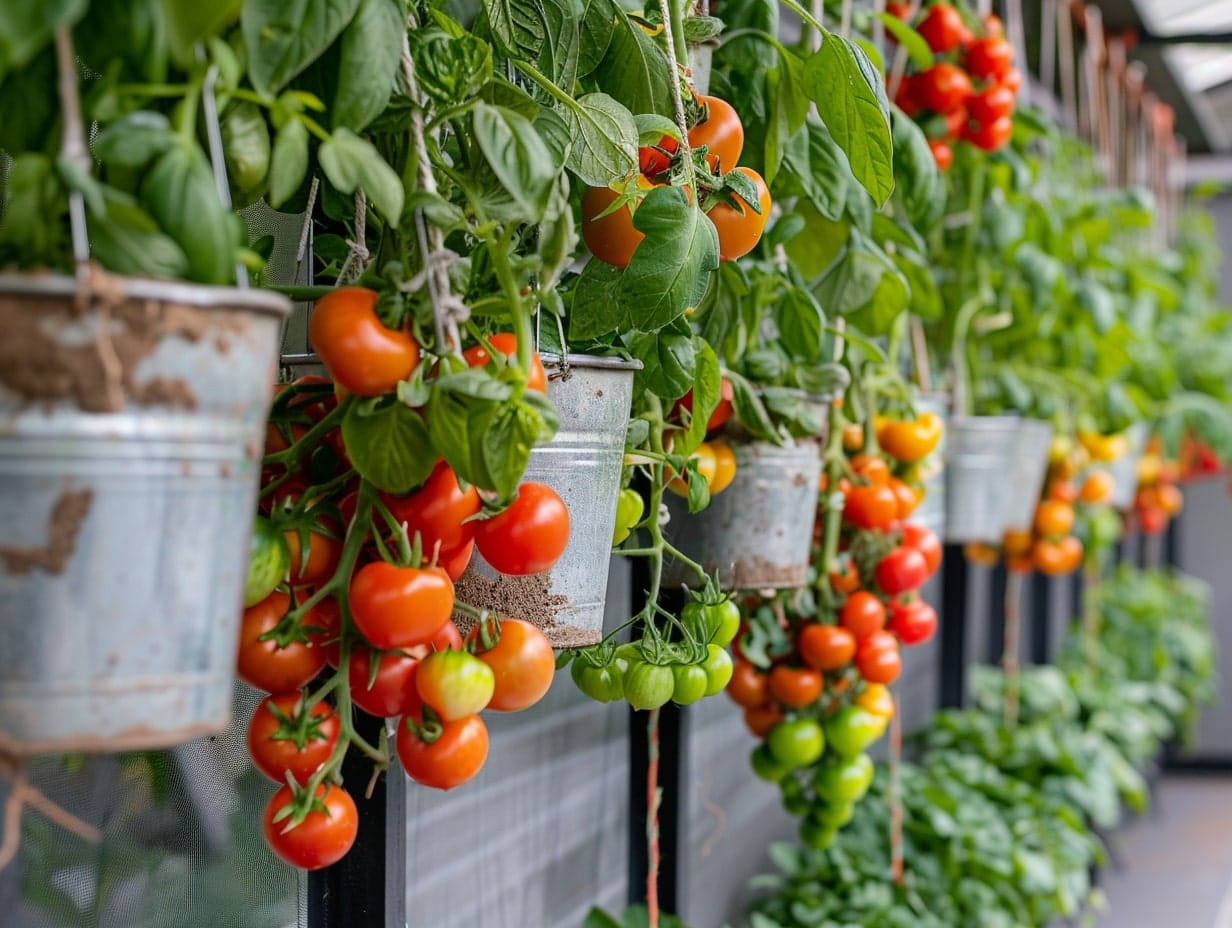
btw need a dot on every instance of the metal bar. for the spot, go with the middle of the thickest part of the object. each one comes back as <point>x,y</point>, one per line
<point>996,615</point>
<point>1188,38</point>
<point>1041,619</point>
<point>954,578</point>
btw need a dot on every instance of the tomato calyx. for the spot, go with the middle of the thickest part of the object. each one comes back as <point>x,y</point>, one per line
<point>299,727</point>
<point>427,727</point>
<point>305,800</point>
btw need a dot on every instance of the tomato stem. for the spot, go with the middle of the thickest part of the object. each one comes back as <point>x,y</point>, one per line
<point>653,798</point>
<point>310,439</point>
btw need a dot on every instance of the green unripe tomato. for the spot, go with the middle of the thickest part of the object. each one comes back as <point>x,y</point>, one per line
<point>852,729</point>
<point>629,510</point>
<point>832,814</point>
<point>765,766</point>
<point>797,743</point>
<point>818,837</point>
<point>602,684</point>
<point>690,683</point>
<point>719,667</point>
<point>269,558</point>
<point>648,686</point>
<point>845,780</point>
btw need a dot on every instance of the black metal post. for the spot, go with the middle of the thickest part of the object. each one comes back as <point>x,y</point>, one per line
<point>954,577</point>
<point>351,894</point>
<point>996,615</point>
<point>1041,619</point>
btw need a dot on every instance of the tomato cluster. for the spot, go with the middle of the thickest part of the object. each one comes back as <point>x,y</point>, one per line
<point>1158,498</point>
<point>969,92</point>
<point>345,576</point>
<point>735,199</point>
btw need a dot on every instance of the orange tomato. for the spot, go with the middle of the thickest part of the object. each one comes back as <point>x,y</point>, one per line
<point>1098,487</point>
<point>1054,518</point>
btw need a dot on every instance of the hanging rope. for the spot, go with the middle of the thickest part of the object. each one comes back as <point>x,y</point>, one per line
<point>1009,652</point>
<point>895,797</point>
<point>22,794</point>
<point>357,256</point>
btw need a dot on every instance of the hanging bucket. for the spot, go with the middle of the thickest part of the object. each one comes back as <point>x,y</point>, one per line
<point>130,450</point>
<point>1027,478</point>
<point>931,511</point>
<point>1124,469</point>
<point>978,471</point>
<point>758,533</point>
<point>583,464</point>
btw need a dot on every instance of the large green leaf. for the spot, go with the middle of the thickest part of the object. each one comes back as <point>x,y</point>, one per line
<point>635,70</point>
<point>543,32</point>
<point>917,179</point>
<point>191,21</point>
<point>371,50</point>
<point>669,270</point>
<point>595,310</point>
<point>26,27</point>
<point>818,167</point>
<point>604,139</point>
<point>668,359</point>
<point>517,156</point>
<point>847,89</point>
<point>388,444</point>
<point>285,36</point>
<point>351,162</point>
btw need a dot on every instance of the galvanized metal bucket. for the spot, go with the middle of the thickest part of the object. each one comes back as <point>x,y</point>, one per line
<point>1027,478</point>
<point>979,468</point>
<point>758,533</point>
<point>131,429</point>
<point>583,463</point>
<point>931,511</point>
<point>1125,468</point>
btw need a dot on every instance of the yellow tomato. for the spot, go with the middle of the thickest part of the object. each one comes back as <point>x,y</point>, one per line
<point>707,467</point>
<point>876,698</point>
<point>725,467</point>
<point>910,439</point>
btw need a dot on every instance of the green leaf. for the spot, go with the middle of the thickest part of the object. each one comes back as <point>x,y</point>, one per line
<point>285,36</point>
<point>651,127</point>
<point>192,21</point>
<point>595,310</point>
<point>670,267</point>
<point>799,320</point>
<point>126,240</point>
<point>27,26</point>
<point>598,23</point>
<point>921,55</point>
<point>368,63</point>
<point>517,155</point>
<point>751,412</point>
<point>819,168</point>
<point>668,359</point>
<point>351,162</point>
<point>450,69</point>
<point>917,179</point>
<point>635,70</point>
<point>388,444</point>
<point>604,137</point>
<point>288,162</point>
<point>135,139</point>
<point>179,192</point>
<point>847,90</point>
<point>707,391</point>
<point>865,286</point>
<point>545,32</point>
<point>597,918</point>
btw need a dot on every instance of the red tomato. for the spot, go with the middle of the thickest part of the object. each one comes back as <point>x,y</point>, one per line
<point>1012,80</point>
<point>360,353</point>
<point>872,468</point>
<point>795,687</point>
<point>942,88</point>
<point>846,579</point>
<point>522,661</point>
<point>748,686</point>
<point>826,647</point>
<point>721,413</point>
<point>507,344</point>
<point>1152,522</point>
<point>989,58</point>
<point>654,161</point>
<point>610,238</point>
<point>265,665</point>
<point>862,614</point>
<point>399,607</point>
<point>902,570</point>
<point>450,758</point>
<point>455,684</point>
<point>908,497</point>
<point>720,131</point>
<point>990,136</point>
<point>322,838</point>
<point>760,719</point>
<point>740,227</point>
<point>877,658</point>
<point>924,540</point>
<point>942,28</point>
<point>899,10</point>
<point>320,561</point>
<point>904,97</point>
<point>456,565</point>
<point>914,621</point>
<point>955,122</point>
<point>942,154</point>
<point>276,744</point>
<point>872,507</point>
<point>991,103</point>
<point>391,692</point>
<point>529,536</point>
<point>437,511</point>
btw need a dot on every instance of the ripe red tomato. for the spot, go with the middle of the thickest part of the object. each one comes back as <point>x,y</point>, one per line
<point>611,238</point>
<point>904,97</point>
<point>871,507</point>
<point>265,665</point>
<point>720,130</point>
<point>748,686</point>
<point>1012,80</point>
<point>914,621</point>
<point>450,759</point>
<point>1053,558</point>
<point>872,468</point>
<point>877,658</point>
<point>1152,521</point>
<point>991,103</point>
<point>955,123</point>
<point>360,353</point>
<point>322,838</point>
<point>942,28</point>
<point>924,540</point>
<point>275,753</point>
<point>862,614</point>
<point>652,161</point>
<point>507,344</point>
<point>990,136</point>
<point>399,607</point>
<point>721,413</point>
<point>899,10</point>
<point>529,536</point>
<point>760,719</point>
<point>902,570</point>
<point>795,687</point>
<point>846,579</point>
<point>319,563</point>
<point>455,684</point>
<point>437,511</point>
<point>990,58</point>
<point>523,663</point>
<point>457,563</point>
<point>942,88</point>
<point>740,228</point>
<point>826,647</point>
<point>908,497</point>
<point>942,154</point>
<point>391,691</point>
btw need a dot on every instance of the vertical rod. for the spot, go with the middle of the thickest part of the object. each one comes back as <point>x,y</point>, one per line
<point>1041,619</point>
<point>955,573</point>
<point>995,614</point>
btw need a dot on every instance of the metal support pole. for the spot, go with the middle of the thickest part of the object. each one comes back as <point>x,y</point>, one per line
<point>954,576</point>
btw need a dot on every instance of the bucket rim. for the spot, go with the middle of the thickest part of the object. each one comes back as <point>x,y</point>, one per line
<point>986,423</point>
<point>591,361</point>
<point>146,288</point>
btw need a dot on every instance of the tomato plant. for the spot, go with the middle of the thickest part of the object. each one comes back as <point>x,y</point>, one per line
<point>506,343</point>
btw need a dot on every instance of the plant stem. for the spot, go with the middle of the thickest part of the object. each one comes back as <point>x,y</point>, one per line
<point>807,17</point>
<point>500,247</point>
<point>653,797</point>
<point>895,797</point>
<point>1009,655</point>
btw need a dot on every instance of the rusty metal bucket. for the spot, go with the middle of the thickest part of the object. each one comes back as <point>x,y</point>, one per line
<point>758,533</point>
<point>131,431</point>
<point>583,463</point>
